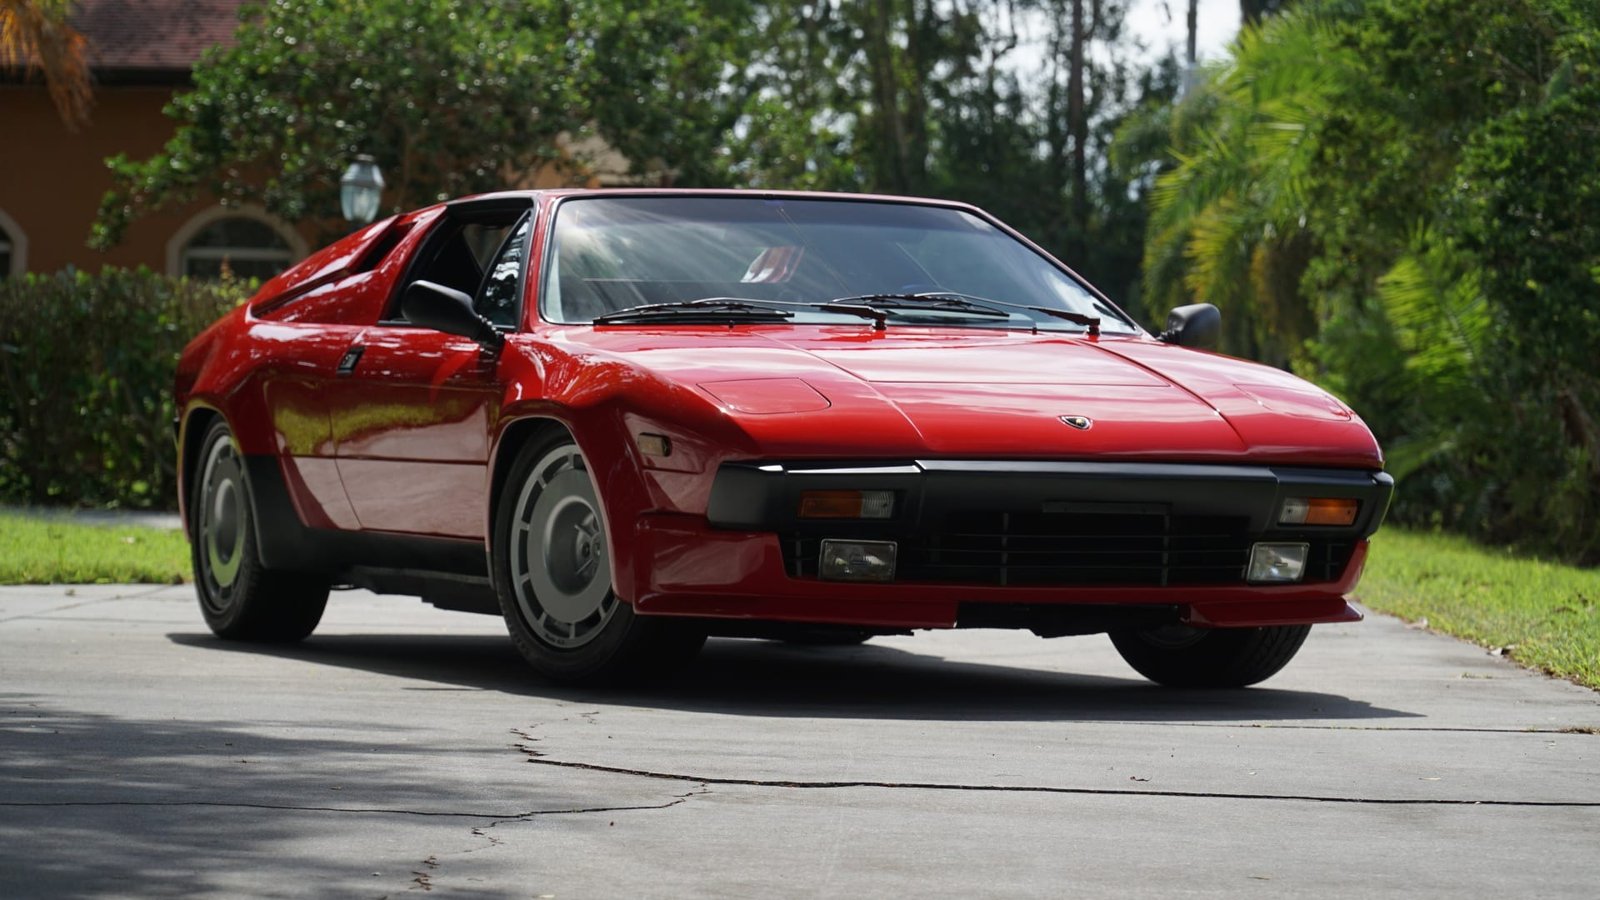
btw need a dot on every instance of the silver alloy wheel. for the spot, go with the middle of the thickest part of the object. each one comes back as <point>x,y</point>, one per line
<point>221,510</point>
<point>560,566</point>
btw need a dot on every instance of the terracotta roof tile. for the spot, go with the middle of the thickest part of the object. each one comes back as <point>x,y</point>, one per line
<point>153,35</point>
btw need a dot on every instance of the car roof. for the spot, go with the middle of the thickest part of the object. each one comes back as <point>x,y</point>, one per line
<point>564,193</point>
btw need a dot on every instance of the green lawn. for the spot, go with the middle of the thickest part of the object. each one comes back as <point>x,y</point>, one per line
<point>1547,614</point>
<point>58,551</point>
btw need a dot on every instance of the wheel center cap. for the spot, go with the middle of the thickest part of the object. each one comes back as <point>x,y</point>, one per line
<point>568,550</point>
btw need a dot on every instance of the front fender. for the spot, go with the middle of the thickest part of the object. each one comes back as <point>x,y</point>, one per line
<point>606,404</point>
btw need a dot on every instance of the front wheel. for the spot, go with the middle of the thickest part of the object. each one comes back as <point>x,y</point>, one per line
<point>553,578</point>
<point>1181,656</point>
<point>240,598</point>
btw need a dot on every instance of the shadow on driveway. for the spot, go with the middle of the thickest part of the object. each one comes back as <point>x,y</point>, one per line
<point>96,806</point>
<point>871,681</point>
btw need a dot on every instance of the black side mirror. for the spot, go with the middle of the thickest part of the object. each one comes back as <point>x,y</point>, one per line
<point>1195,325</point>
<point>448,310</point>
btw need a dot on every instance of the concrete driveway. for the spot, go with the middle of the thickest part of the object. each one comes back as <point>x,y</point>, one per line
<point>403,749</point>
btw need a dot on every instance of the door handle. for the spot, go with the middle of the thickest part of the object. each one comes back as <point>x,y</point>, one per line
<point>347,362</point>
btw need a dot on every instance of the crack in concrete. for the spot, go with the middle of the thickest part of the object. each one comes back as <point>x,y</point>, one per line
<point>48,613</point>
<point>1045,789</point>
<point>1443,729</point>
<point>443,814</point>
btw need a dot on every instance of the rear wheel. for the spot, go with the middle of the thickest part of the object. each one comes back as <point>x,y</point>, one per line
<point>241,599</point>
<point>1181,656</point>
<point>553,578</point>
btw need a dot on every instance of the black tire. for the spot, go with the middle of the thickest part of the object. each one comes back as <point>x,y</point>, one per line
<point>552,574</point>
<point>241,599</point>
<point>1184,657</point>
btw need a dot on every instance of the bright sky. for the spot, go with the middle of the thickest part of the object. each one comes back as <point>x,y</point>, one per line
<point>1161,22</point>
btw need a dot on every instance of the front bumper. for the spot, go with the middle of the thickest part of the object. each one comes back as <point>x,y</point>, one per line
<point>1022,534</point>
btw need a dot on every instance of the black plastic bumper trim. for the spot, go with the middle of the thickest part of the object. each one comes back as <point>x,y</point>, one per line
<point>763,495</point>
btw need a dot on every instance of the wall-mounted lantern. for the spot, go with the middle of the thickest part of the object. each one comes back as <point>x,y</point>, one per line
<point>361,190</point>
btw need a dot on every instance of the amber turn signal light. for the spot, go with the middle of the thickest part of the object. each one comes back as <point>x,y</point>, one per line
<point>846,504</point>
<point>1319,511</point>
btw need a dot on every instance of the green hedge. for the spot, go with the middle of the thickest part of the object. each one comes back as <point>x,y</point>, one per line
<point>86,369</point>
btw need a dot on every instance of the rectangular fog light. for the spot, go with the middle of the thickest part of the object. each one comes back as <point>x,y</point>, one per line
<point>1277,563</point>
<point>857,561</point>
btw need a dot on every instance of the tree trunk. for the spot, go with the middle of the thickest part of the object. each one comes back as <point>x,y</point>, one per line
<point>1057,126</point>
<point>914,155</point>
<point>1078,126</point>
<point>1194,30</point>
<point>885,95</point>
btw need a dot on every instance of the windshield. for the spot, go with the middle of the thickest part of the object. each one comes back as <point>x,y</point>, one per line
<point>610,254</point>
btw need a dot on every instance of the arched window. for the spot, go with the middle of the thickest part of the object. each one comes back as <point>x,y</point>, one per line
<point>246,243</point>
<point>13,248</point>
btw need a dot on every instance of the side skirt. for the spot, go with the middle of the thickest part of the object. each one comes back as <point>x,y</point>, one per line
<point>450,574</point>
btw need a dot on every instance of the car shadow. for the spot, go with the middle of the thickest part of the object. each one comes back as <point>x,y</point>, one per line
<point>97,804</point>
<point>870,681</point>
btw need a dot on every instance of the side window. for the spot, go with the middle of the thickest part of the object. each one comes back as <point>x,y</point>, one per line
<point>498,298</point>
<point>464,251</point>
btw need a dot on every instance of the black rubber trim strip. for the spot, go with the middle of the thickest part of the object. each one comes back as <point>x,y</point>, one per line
<point>763,495</point>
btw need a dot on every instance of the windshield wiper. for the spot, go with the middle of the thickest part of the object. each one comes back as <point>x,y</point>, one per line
<point>707,309</point>
<point>938,301</point>
<point>722,309</point>
<point>1090,322</point>
<point>967,303</point>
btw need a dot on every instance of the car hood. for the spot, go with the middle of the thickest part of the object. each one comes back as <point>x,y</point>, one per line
<point>985,393</point>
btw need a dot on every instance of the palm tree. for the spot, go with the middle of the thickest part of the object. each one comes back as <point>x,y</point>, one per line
<point>1228,223</point>
<point>1235,222</point>
<point>1252,12</point>
<point>35,35</point>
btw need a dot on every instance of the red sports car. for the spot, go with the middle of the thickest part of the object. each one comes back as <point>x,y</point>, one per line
<point>625,420</point>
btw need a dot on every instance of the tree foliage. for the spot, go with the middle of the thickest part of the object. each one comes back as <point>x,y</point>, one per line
<point>451,97</point>
<point>660,84</point>
<point>86,369</point>
<point>977,101</point>
<point>1397,197</point>
<point>900,96</point>
<point>35,35</point>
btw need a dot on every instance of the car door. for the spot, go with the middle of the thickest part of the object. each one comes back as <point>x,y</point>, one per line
<point>411,424</point>
<point>294,378</point>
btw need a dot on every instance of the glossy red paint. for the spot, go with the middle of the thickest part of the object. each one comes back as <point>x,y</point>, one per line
<point>408,440</point>
<point>981,393</point>
<point>412,428</point>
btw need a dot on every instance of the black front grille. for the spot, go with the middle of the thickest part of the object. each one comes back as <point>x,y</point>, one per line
<point>1047,548</point>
